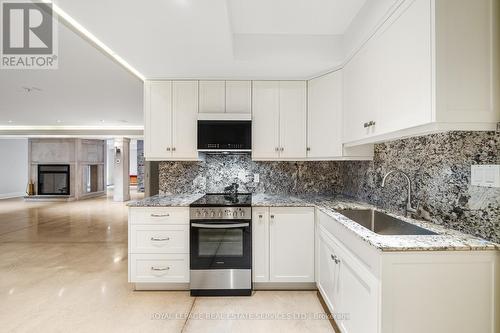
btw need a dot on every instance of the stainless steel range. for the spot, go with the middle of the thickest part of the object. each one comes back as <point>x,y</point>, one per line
<point>221,245</point>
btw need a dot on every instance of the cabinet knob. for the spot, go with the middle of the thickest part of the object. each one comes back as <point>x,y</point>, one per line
<point>276,149</point>
<point>308,148</point>
<point>282,149</point>
<point>168,148</point>
<point>173,148</point>
<point>260,216</point>
<point>272,216</point>
<point>365,125</point>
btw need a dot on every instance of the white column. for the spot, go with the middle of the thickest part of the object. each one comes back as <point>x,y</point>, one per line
<point>121,169</point>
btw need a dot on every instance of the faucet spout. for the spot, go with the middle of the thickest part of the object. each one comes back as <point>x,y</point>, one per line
<point>409,208</point>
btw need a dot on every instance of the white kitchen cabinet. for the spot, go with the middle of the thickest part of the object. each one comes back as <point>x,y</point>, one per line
<point>428,68</point>
<point>279,120</point>
<point>324,116</point>
<point>327,277</point>
<point>158,118</point>
<point>283,246</point>
<point>265,119</point>
<point>170,112</point>
<point>184,120</point>
<point>292,125</point>
<point>385,291</point>
<point>291,244</point>
<point>239,97</point>
<point>212,97</point>
<point>324,121</point>
<point>260,244</point>
<point>158,247</point>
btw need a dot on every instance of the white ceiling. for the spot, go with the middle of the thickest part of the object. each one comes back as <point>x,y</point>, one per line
<point>253,39</point>
<point>86,89</point>
<point>220,38</point>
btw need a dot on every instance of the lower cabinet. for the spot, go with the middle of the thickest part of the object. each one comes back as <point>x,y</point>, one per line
<point>158,247</point>
<point>372,291</point>
<point>283,244</point>
<point>348,287</point>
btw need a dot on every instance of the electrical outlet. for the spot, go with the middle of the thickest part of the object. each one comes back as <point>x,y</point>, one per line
<point>256,178</point>
<point>485,175</point>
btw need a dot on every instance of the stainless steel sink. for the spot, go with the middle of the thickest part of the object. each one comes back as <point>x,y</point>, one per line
<point>383,224</point>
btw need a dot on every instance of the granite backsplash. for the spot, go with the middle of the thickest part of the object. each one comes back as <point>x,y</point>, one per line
<point>438,165</point>
<point>219,170</point>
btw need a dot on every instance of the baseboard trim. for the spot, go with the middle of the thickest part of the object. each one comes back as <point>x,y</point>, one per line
<point>11,195</point>
<point>284,286</point>
<point>161,286</point>
<point>328,312</point>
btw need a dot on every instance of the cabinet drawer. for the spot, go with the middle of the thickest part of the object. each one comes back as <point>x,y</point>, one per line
<point>159,215</point>
<point>159,268</point>
<point>159,238</point>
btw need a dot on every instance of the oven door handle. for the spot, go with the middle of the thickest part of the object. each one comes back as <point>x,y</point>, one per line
<point>220,226</point>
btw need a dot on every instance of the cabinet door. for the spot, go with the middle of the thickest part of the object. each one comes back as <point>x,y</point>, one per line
<point>212,96</point>
<point>185,116</point>
<point>324,116</point>
<point>358,294</point>
<point>239,97</point>
<point>361,95</point>
<point>265,119</point>
<point>292,116</point>
<point>260,244</point>
<point>327,278</point>
<point>158,119</point>
<point>406,89</point>
<point>291,232</point>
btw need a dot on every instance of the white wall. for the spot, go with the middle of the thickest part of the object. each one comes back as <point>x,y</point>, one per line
<point>13,167</point>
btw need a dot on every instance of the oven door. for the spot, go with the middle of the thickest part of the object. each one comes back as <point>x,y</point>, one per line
<point>218,244</point>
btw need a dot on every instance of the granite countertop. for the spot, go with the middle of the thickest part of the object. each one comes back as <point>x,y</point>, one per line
<point>173,200</point>
<point>446,240</point>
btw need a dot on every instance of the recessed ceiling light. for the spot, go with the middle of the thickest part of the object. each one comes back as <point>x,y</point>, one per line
<point>10,121</point>
<point>58,121</point>
<point>102,121</point>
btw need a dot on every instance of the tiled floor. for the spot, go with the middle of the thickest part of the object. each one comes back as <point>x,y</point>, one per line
<point>63,267</point>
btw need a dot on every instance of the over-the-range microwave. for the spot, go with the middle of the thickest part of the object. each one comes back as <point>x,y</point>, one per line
<point>224,135</point>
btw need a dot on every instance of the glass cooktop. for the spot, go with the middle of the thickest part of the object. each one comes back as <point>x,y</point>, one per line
<point>224,200</point>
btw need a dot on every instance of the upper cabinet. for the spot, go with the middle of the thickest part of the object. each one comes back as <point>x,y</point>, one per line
<point>225,97</point>
<point>324,121</point>
<point>170,113</point>
<point>279,120</point>
<point>428,68</point>
<point>239,97</point>
<point>212,97</point>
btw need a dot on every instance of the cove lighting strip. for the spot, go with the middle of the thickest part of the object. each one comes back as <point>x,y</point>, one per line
<point>81,29</point>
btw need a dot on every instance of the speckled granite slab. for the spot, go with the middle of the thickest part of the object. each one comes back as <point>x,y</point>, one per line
<point>446,240</point>
<point>174,200</point>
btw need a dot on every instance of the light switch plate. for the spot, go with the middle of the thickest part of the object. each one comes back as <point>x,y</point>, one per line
<point>256,178</point>
<point>486,175</point>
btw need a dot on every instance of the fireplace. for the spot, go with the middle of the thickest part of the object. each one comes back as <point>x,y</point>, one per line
<point>53,179</point>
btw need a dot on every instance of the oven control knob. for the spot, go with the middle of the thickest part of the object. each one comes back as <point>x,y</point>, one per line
<point>220,214</point>
<point>242,214</point>
<point>235,214</point>
<point>205,213</point>
<point>212,214</point>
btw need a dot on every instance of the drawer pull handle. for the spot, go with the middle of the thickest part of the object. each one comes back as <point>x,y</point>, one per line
<point>153,268</point>
<point>260,216</point>
<point>160,215</point>
<point>160,239</point>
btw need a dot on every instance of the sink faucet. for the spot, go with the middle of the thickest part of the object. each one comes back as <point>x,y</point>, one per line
<point>409,208</point>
